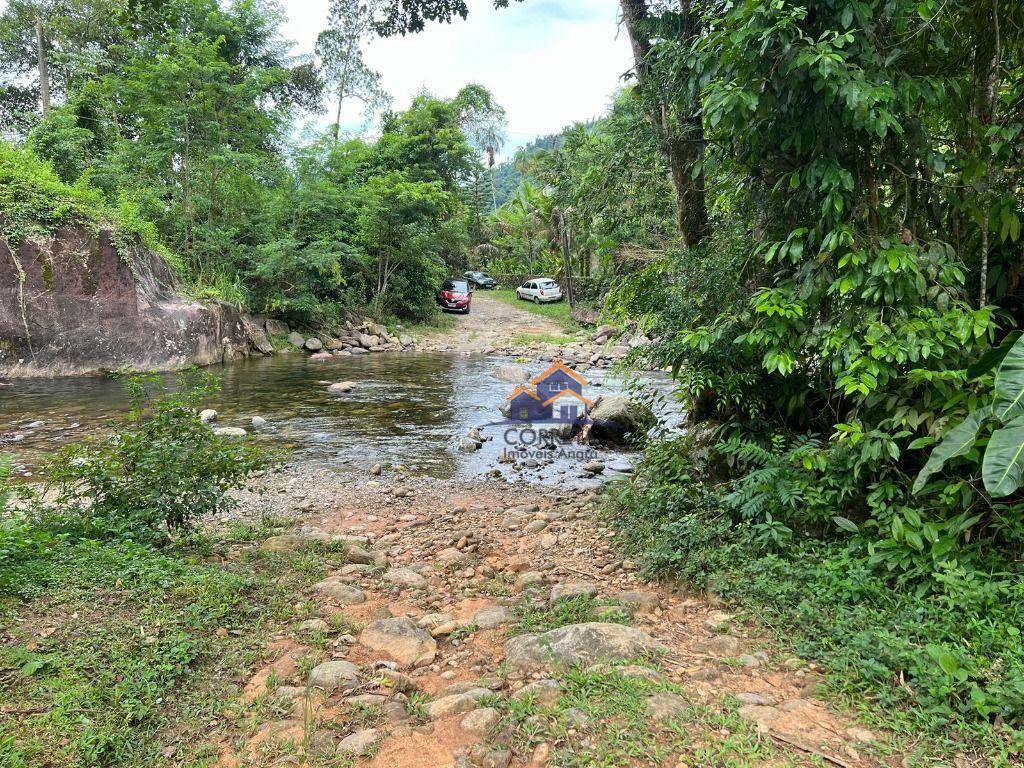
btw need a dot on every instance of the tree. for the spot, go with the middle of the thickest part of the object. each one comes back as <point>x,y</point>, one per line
<point>340,51</point>
<point>674,112</point>
<point>483,121</point>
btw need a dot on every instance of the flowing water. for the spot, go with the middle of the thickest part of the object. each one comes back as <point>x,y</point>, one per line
<point>407,408</point>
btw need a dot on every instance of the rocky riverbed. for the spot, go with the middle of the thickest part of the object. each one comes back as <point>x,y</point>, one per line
<point>487,626</point>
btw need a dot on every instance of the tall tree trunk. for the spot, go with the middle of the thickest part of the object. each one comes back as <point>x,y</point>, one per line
<point>986,83</point>
<point>683,144</point>
<point>44,69</point>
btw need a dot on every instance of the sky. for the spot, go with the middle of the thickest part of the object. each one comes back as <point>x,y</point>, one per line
<point>549,63</point>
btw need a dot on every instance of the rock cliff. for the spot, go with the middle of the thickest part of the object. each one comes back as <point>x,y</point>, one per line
<point>72,304</point>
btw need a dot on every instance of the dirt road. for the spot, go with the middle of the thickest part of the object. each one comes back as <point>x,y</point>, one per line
<point>491,323</point>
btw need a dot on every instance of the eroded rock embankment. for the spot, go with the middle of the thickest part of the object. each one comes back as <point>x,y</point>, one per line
<point>72,304</point>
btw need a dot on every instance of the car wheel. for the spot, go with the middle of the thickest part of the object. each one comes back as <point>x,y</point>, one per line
<point>536,299</point>
<point>465,311</point>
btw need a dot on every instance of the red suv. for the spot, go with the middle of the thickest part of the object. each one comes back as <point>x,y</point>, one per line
<point>455,296</point>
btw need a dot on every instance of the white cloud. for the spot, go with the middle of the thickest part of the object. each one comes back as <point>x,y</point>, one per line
<point>548,62</point>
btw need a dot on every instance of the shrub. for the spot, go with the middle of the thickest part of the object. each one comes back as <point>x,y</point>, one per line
<point>161,473</point>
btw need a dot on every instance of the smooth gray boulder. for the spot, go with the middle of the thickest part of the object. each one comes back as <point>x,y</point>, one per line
<point>616,417</point>
<point>578,644</point>
<point>334,675</point>
<point>335,588</point>
<point>400,639</point>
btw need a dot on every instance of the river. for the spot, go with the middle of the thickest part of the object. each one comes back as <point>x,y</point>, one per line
<point>407,408</point>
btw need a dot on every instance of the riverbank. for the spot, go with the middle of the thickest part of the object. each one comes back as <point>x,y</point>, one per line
<point>407,630</point>
<point>382,615</point>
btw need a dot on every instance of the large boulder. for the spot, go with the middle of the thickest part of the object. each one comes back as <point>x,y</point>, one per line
<point>616,417</point>
<point>277,327</point>
<point>257,336</point>
<point>76,303</point>
<point>577,644</point>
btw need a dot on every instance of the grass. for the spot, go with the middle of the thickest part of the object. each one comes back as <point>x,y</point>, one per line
<point>536,617</point>
<point>119,654</point>
<point>556,311</point>
<point>601,720</point>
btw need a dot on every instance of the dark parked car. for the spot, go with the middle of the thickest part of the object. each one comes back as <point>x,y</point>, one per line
<point>481,279</point>
<point>455,295</point>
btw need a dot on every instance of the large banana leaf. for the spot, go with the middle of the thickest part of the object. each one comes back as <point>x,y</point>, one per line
<point>1009,402</point>
<point>1003,467</point>
<point>958,441</point>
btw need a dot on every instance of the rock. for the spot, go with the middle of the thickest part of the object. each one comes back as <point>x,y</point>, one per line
<point>543,693</point>
<point>492,618</point>
<point>367,341</point>
<point>605,332</point>
<point>637,602</point>
<point>535,526</point>
<point>615,417</point>
<point>314,625</point>
<point>376,470</point>
<point>207,416</point>
<point>400,639</point>
<point>230,432</point>
<point>483,756</point>
<point>512,374</point>
<point>314,344</point>
<point>456,703</point>
<point>75,303</point>
<point>567,590</point>
<point>594,467</point>
<point>341,387</point>
<point>258,422</point>
<point>359,743</point>
<point>297,340</point>
<point>577,644</point>
<point>480,721</point>
<point>666,706</point>
<point>336,589</point>
<point>358,556</point>
<point>468,445</point>
<point>721,646</point>
<point>405,341</point>
<point>529,579</point>
<point>321,357</point>
<point>276,327</point>
<point>334,675</point>
<point>433,620</point>
<point>405,577</point>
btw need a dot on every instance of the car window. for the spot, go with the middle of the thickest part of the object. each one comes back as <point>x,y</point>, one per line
<point>546,284</point>
<point>459,286</point>
<point>531,285</point>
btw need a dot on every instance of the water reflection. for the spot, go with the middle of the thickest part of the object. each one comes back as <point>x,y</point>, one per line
<point>407,408</point>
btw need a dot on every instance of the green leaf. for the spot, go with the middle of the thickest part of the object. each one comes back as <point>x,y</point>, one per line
<point>958,441</point>
<point>992,357</point>
<point>846,524</point>
<point>1009,401</point>
<point>1003,467</point>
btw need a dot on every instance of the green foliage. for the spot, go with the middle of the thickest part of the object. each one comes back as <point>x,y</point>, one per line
<point>160,474</point>
<point>1003,463</point>
<point>949,659</point>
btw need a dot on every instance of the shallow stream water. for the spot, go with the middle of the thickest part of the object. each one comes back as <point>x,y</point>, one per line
<point>407,408</point>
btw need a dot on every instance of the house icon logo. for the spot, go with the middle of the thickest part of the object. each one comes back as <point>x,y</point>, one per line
<point>555,396</point>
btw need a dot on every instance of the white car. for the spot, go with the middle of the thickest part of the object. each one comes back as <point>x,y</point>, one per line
<point>539,291</point>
